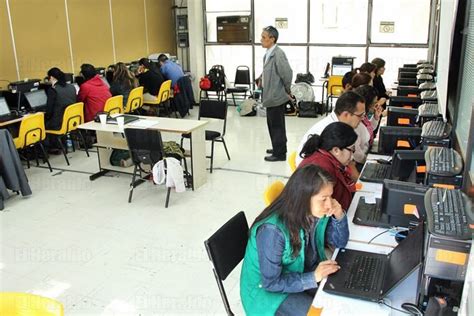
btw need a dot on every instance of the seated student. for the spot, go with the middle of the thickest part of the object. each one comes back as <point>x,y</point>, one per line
<point>332,151</point>
<point>360,79</point>
<point>347,81</point>
<point>93,92</point>
<point>60,95</point>
<point>150,78</point>
<point>373,110</point>
<point>285,252</point>
<point>378,80</point>
<point>368,68</point>
<point>123,81</point>
<point>349,109</point>
<point>170,70</point>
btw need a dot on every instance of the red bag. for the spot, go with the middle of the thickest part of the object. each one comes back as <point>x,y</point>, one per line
<point>205,83</point>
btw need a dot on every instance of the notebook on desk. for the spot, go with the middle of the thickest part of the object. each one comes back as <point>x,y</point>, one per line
<point>126,119</point>
<point>372,276</point>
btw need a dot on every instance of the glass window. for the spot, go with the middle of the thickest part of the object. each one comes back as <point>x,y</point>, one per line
<point>234,5</point>
<point>338,21</point>
<point>230,57</point>
<point>211,19</point>
<point>400,21</point>
<point>395,58</point>
<point>296,57</point>
<point>295,13</point>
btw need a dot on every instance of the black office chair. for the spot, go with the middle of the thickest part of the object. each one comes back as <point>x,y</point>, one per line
<point>216,110</point>
<point>226,248</point>
<point>242,83</point>
<point>146,147</point>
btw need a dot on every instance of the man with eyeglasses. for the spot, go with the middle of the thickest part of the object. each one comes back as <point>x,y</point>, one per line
<point>275,82</point>
<point>349,109</point>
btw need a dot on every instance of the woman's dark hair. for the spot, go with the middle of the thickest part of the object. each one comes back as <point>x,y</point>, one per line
<point>293,206</point>
<point>360,79</point>
<point>336,134</point>
<point>379,62</point>
<point>58,74</point>
<point>88,71</point>
<point>369,93</point>
<point>368,67</point>
<point>148,64</point>
<point>347,79</point>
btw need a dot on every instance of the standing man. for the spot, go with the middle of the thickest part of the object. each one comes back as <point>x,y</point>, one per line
<point>276,82</point>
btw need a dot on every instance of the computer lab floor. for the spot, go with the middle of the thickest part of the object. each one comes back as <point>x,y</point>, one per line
<point>81,243</point>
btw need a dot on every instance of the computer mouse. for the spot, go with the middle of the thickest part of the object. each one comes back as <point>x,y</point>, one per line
<point>399,236</point>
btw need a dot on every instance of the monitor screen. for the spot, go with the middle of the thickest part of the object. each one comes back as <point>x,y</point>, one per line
<point>36,99</point>
<point>398,116</point>
<point>404,164</point>
<point>398,137</point>
<point>4,109</point>
<point>340,70</point>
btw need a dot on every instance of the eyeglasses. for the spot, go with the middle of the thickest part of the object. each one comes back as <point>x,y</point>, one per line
<point>351,149</point>
<point>361,115</point>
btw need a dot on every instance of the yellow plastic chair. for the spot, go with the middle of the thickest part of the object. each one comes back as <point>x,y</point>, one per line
<point>292,161</point>
<point>335,89</point>
<point>272,192</point>
<point>31,134</point>
<point>163,98</point>
<point>26,304</point>
<point>73,117</point>
<point>135,100</point>
<point>114,105</point>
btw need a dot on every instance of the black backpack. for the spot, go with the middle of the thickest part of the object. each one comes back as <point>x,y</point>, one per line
<point>217,77</point>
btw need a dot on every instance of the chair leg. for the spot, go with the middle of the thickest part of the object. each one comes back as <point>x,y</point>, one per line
<point>45,156</point>
<point>84,142</point>
<point>212,154</point>
<point>223,294</point>
<point>132,184</point>
<point>167,197</point>
<point>63,149</point>
<point>36,155</point>
<point>225,147</point>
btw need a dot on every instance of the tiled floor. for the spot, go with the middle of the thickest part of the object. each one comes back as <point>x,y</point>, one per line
<point>81,242</point>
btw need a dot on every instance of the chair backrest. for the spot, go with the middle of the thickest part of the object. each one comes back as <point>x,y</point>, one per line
<point>335,87</point>
<point>272,192</point>
<point>135,100</point>
<point>145,145</point>
<point>242,76</point>
<point>73,117</point>
<point>114,105</point>
<point>24,304</point>
<point>165,91</point>
<point>214,109</point>
<point>292,161</point>
<point>31,130</point>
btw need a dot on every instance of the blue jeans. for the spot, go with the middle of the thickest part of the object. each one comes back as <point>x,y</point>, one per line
<point>296,304</point>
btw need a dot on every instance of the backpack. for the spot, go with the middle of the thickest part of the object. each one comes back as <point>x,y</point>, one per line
<point>217,77</point>
<point>308,78</point>
<point>205,83</point>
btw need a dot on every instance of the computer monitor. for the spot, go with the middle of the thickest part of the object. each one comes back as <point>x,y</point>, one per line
<point>402,197</point>
<point>4,109</point>
<point>405,164</point>
<point>341,70</point>
<point>398,137</point>
<point>36,100</point>
<point>397,116</point>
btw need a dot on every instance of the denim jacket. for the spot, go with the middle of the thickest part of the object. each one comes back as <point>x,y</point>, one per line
<point>270,246</point>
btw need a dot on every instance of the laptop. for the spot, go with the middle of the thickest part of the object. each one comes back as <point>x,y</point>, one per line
<point>37,100</point>
<point>5,113</point>
<point>371,276</point>
<point>127,119</point>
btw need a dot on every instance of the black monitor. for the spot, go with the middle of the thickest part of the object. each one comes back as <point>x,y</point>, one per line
<point>405,164</point>
<point>36,100</point>
<point>4,109</point>
<point>397,116</point>
<point>398,137</point>
<point>400,197</point>
<point>405,101</point>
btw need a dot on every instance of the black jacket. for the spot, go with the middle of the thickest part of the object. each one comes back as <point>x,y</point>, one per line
<point>59,97</point>
<point>151,81</point>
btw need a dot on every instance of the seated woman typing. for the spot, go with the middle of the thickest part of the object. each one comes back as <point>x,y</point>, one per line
<point>333,151</point>
<point>285,252</point>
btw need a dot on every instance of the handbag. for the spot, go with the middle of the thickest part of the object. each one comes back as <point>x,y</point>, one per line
<point>308,109</point>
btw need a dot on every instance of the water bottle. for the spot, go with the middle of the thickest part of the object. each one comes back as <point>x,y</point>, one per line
<point>69,144</point>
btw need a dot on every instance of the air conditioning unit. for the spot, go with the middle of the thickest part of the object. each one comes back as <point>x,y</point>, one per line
<point>233,29</point>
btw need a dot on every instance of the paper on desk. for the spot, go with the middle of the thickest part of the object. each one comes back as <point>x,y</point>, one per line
<point>370,199</point>
<point>142,123</point>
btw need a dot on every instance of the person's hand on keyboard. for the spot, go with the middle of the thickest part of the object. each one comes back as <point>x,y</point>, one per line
<point>324,269</point>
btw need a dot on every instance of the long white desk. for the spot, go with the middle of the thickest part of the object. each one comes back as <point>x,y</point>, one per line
<point>110,137</point>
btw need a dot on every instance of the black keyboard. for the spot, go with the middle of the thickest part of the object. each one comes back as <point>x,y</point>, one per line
<point>435,130</point>
<point>428,109</point>
<point>443,161</point>
<point>364,273</point>
<point>373,211</point>
<point>375,172</point>
<point>449,213</point>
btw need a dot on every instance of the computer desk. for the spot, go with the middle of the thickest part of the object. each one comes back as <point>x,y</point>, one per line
<point>110,137</point>
<point>17,120</point>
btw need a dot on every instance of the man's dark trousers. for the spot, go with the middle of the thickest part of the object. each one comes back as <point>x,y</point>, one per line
<point>277,130</point>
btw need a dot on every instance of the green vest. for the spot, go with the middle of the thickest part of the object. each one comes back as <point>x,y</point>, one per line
<point>255,299</point>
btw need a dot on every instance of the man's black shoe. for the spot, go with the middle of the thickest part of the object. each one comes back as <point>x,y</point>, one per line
<point>270,151</point>
<point>275,158</point>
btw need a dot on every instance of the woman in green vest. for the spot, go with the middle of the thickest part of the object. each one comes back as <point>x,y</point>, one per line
<point>285,254</point>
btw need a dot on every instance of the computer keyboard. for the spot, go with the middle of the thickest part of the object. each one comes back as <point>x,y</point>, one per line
<point>443,161</point>
<point>428,94</point>
<point>449,213</point>
<point>375,171</point>
<point>364,274</point>
<point>435,130</point>
<point>428,109</point>
<point>427,85</point>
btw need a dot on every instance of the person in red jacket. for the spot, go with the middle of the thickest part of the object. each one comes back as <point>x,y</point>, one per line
<point>332,151</point>
<point>93,92</point>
